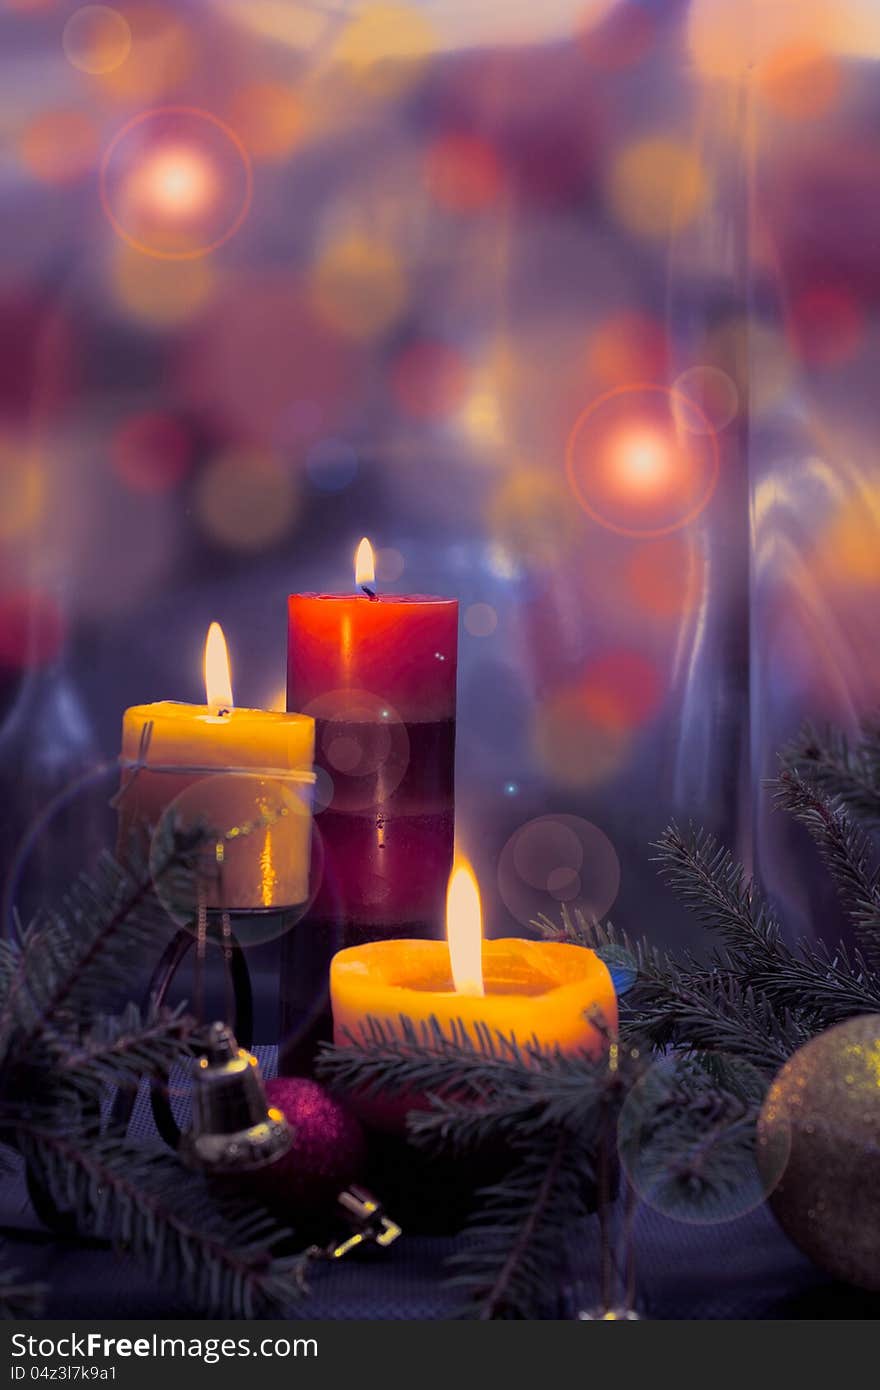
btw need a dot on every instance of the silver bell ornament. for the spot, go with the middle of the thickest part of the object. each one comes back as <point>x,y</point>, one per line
<point>233,1128</point>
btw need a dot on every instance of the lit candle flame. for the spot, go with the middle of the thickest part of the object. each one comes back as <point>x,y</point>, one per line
<point>464,930</point>
<point>364,565</point>
<point>218,682</point>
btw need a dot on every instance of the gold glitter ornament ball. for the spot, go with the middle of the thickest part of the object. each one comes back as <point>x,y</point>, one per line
<point>827,1096</point>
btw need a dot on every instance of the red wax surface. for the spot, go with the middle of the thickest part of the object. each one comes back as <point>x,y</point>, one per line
<point>400,648</point>
<point>378,676</point>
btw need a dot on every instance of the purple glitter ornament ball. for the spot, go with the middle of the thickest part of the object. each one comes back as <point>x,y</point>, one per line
<point>329,1149</point>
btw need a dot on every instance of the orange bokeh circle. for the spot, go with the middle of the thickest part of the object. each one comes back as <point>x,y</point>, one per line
<point>707,435</point>
<point>194,253</point>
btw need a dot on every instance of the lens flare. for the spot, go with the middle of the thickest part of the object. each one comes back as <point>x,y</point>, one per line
<point>634,469</point>
<point>176,183</point>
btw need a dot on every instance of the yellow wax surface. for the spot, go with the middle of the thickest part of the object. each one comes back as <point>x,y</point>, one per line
<point>227,772</point>
<point>192,736</point>
<point>534,989</point>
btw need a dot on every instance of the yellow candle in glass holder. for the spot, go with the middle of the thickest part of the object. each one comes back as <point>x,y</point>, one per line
<point>244,773</point>
<point>544,991</point>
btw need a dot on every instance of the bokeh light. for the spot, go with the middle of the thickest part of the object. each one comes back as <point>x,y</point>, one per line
<point>532,520</point>
<point>665,578</point>
<point>32,629</point>
<point>161,56</point>
<point>620,690</point>
<point>331,464</point>
<point>634,469</point>
<point>801,81</point>
<point>359,286</point>
<point>429,379</point>
<point>826,324</point>
<point>245,499</point>
<point>658,186</point>
<point>60,145</point>
<point>176,182</point>
<point>627,346</point>
<point>390,565</point>
<point>570,749</point>
<point>365,745</point>
<point>480,619</point>
<point>756,356</point>
<point>706,1175</point>
<point>159,293</point>
<point>713,393</point>
<point>96,39</point>
<point>384,47</point>
<point>261,361</point>
<point>463,172</point>
<point>150,452</point>
<point>558,859</point>
<point>268,117</point>
<point>22,488</point>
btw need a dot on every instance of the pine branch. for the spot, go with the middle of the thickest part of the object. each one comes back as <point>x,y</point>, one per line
<point>838,768</point>
<point>709,882</point>
<point>426,1060</point>
<point>845,851</point>
<point>120,1050</point>
<point>521,1233</point>
<point>144,1202</point>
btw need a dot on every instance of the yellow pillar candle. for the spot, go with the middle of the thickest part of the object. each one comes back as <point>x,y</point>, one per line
<point>531,990</point>
<point>244,773</point>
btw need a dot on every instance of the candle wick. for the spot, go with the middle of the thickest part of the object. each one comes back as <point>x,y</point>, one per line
<point>370,593</point>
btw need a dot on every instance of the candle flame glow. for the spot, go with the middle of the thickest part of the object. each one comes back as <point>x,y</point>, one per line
<point>364,565</point>
<point>464,930</point>
<point>218,682</point>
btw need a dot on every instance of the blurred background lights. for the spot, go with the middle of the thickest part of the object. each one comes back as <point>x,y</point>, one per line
<point>384,47</point>
<point>176,182</point>
<point>429,379</point>
<point>827,325</point>
<point>570,749</point>
<point>331,464</point>
<point>96,39</point>
<point>532,522</point>
<point>150,452</point>
<point>245,500</point>
<point>664,577</point>
<point>159,293</point>
<point>621,690</point>
<point>359,286</point>
<point>627,346</point>
<point>554,859</point>
<point>60,145</point>
<point>634,469</point>
<point>658,186</point>
<point>160,57</point>
<point>262,364</point>
<point>22,488</point>
<point>268,116</point>
<point>480,619</point>
<point>801,81</point>
<point>463,173</point>
<point>32,629</point>
<point>390,565</point>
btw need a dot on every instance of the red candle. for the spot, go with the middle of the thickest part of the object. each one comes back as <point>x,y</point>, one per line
<point>377,672</point>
